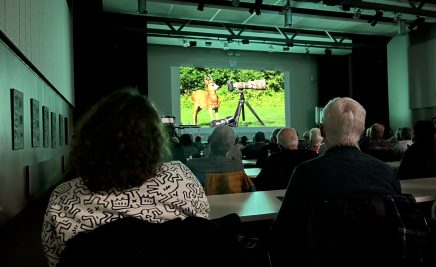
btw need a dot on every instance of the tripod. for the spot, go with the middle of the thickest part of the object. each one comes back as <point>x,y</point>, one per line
<point>240,108</point>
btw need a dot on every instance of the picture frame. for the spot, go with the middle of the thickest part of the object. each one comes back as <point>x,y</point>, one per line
<point>61,130</point>
<point>66,130</point>
<point>35,123</point>
<point>53,130</point>
<point>17,119</point>
<point>45,126</point>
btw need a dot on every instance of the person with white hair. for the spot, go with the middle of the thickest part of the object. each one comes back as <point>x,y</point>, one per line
<point>342,170</point>
<point>229,169</point>
<point>278,168</point>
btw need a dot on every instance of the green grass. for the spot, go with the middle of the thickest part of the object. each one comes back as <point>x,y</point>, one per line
<point>269,106</point>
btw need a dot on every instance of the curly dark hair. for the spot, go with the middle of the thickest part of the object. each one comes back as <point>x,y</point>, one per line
<point>119,143</point>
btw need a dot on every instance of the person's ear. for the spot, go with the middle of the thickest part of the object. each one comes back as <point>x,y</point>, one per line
<point>321,128</point>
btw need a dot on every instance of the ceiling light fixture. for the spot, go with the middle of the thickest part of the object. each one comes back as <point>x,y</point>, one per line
<point>200,6</point>
<point>142,7</point>
<point>256,7</point>
<point>271,48</point>
<point>207,43</point>
<point>307,50</point>
<point>192,43</point>
<point>285,48</point>
<point>245,41</point>
<point>226,45</point>
<point>402,24</point>
<point>185,43</point>
<point>419,21</point>
<point>357,13</point>
<point>328,52</point>
<point>378,15</point>
<point>288,14</point>
<point>235,3</point>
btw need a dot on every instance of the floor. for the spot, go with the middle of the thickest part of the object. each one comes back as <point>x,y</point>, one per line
<point>20,238</point>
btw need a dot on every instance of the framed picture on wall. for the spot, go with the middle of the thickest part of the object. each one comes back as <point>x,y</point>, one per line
<point>45,126</point>
<point>53,129</point>
<point>61,130</point>
<point>34,123</point>
<point>17,119</point>
<point>66,130</point>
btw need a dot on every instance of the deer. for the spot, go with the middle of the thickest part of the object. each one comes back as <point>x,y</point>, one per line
<point>206,99</point>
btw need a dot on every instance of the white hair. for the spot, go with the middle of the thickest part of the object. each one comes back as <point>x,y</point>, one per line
<point>221,140</point>
<point>343,122</point>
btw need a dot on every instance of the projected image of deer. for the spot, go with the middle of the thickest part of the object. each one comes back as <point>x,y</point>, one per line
<point>251,98</point>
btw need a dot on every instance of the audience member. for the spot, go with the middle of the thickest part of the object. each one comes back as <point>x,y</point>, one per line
<point>279,166</point>
<point>176,149</point>
<point>119,153</point>
<point>269,149</point>
<point>419,161</point>
<point>376,145</point>
<point>221,141</point>
<point>244,141</point>
<point>305,143</point>
<point>315,139</point>
<point>341,171</point>
<point>200,146</point>
<point>404,141</point>
<point>251,151</point>
<point>189,148</point>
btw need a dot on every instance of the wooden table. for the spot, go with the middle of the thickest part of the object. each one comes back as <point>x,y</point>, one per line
<point>264,205</point>
<point>252,172</point>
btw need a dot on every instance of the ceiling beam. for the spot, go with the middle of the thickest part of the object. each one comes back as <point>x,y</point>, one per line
<point>227,4</point>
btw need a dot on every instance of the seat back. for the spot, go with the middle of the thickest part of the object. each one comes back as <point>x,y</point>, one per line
<point>227,183</point>
<point>365,230</point>
<point>195,242</point>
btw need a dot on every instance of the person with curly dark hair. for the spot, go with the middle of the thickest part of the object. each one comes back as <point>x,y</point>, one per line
<point>119,154</point>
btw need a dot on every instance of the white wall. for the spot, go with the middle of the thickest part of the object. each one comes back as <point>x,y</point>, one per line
<point>400,113</point>
<point>41,29</point>
<point>300,80</point>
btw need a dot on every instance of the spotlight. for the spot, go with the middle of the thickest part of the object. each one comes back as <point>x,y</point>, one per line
<point>142,7</point>
<point>256,7</point>
<point>245,41</point>
<point>402,27</point>
<point>235,3</point>
<point>288,14</point>
<point>192,43</point>
<point>185,43</point>
<point>200,6</point>
<point>226,46</point>
<point>378,15</point>
<point>416,23</point>
<point>285,48</point>
<point>307,51</point>
<point>271,48</point>
<point>357,13</point>
<point>328,52</point>
<point>208,43</point>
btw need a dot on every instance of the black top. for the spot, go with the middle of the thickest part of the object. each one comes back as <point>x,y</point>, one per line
<point>278,168</point>
<point>339,172</point>
<point>419,161</point>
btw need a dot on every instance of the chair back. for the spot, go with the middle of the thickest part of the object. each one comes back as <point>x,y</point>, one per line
<point>227,183</point>
<point>365,230</point>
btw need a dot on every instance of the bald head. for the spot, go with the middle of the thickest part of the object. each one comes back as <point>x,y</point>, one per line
<point>288,139</point>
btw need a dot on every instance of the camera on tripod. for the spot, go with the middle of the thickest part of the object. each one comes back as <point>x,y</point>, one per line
<point>241,86</point>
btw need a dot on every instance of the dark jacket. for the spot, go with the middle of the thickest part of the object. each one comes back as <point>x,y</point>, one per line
<point>340,171</point>
<point>278,168</point>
